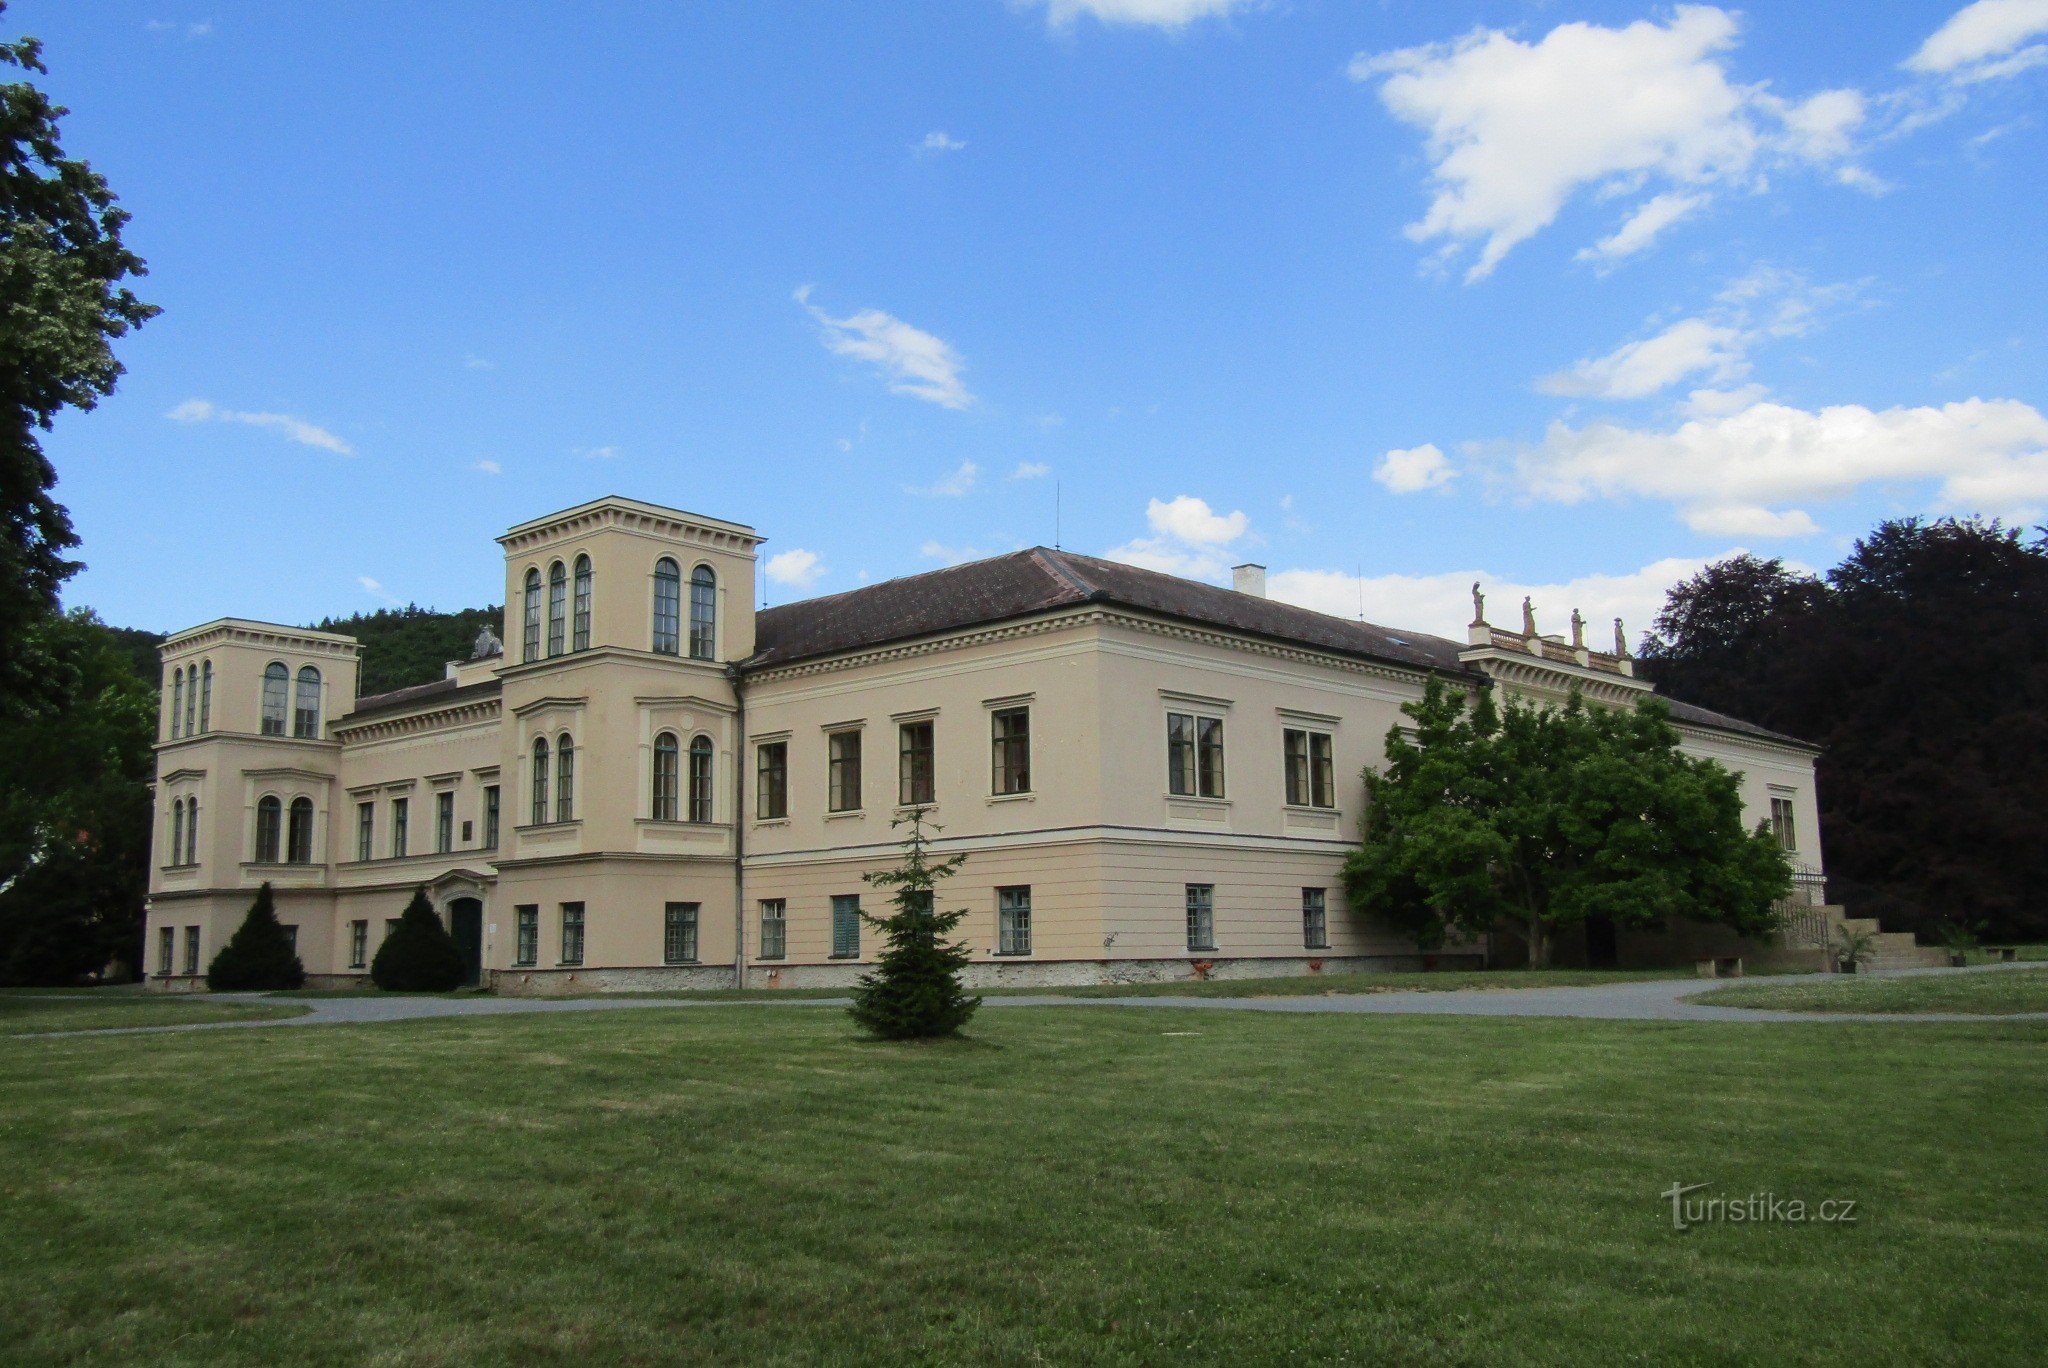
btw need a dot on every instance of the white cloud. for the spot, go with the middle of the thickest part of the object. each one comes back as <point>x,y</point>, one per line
<point>1981,456</point>
<point>938,140</point>
<point>376,590</point>
<point>1515,130</point>
<point>1756,523</point>
<point>475,362</point>
<point>1442,603</point>
<point>1189,538</point>
<point>293,429</point>
<point>954,555</point>
<point>1688,347</point>
<point>1031,470</point>
<point>915,362</point>
<point>1186,518</point>
<point>488,468</point>
<point>1857,178</point>
<point>1415,469</point>
<point>1166,14</point>
<point>1984,40</point>
<point>954,486</point>
<point>797,567</point>
<point>603,453</point>
<point>1652,217</point>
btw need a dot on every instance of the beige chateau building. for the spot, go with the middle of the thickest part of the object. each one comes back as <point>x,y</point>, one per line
<point>654,785</point>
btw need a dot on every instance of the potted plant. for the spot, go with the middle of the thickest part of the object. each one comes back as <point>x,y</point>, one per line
<point>1850,948</point>
<point>1959,938</point>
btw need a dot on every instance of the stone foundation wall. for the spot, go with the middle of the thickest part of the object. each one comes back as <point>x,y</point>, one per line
<point>674,978</point>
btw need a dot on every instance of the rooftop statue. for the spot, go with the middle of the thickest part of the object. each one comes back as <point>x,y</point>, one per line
<point>487,645</point>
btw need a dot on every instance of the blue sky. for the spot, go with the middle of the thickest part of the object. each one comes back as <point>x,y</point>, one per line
<point>1388,295</point>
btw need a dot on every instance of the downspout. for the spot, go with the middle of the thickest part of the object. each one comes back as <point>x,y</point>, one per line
<point>739,827</point>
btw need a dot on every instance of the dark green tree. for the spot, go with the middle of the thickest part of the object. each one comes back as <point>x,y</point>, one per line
<point>62,264</point>
<point>411,645</point>
<point>259,956</point>
<point>419,956</point>
<point>914,989</point>
<point>1554,817</point>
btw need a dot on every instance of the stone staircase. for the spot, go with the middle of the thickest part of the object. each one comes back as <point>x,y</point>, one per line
<point>1819,928</point>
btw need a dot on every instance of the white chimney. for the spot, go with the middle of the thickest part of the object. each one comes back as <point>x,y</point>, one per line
<point>1249,579</point>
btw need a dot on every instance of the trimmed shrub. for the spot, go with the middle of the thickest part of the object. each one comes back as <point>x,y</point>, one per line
<point>419,956</point>
<point>259,956</point>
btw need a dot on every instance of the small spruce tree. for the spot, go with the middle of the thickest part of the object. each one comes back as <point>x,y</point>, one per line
<point>914,990</point>
<point>259,956</point>
<point>419,956</point>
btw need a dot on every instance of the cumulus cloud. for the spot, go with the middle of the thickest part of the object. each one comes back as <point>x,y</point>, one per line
<point>938,141</point>
<point>914,362</point>
<point>376,590</point>
<point>1165,14</point>
<point>1415,469</point>
<point>292,429</point>
<point>796,567</point>
<point>1985,40</point>
<point>1031,470</point>
<point>1188,538</point>
<point>1751,522</point>
<point>953,486</point>
<point>488,468</point>
<point>1514,130</point>
<point>1689,347</point>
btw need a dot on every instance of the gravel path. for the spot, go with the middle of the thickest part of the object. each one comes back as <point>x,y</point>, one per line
<point>1644,1000</point>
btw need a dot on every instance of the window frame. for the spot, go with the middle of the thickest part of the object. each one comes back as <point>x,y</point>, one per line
<point>843,771</point>
<point>1315,918</point>
<point>526,935</point>
<point>666,637</point>
<point>269,828</point>
<point>192,938</point>
<point>582,594</point>
<point>703,613</point>
<point>444,822</point>
<point>177,702</point>
<point>703,780</point>
<point>1009,751</point>
<point>205,697</point>
<point>493,816</point>
<point>177,831</point>
<point>529,629</point>
<point>1013,920</point>
<point>771,781</point>
<point>679,929</point>
<point>845,926</point>
<point>366,829</point>
<point>1200,902</point>
<point>664,792</point>
<point>558,609</point>
<point>299,833</point>
<point>306,715</point>
<point>401,827</point>
<point>359,944</point>
<point>537,778</point>
<point>565,778</point>
<point>167,951</point>
<point>574,929</point>
<point>1195,760</point>
<point>1309,776</point>
<point>276,704</point>
<point>1785,822</point>
<point>917,783</point>
<point>780,922</point>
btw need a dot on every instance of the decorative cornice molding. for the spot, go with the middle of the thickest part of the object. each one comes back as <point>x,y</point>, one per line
<point>428,719</point>
<point>267,635</point>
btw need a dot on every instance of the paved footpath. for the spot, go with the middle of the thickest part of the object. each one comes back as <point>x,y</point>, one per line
<point>1640,1000</point>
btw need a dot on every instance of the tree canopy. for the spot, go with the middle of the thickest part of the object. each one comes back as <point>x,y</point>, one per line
<point>411,645</point>
<point>1551,818</point>
<point>259,957</point>
<point>914,989</point>
<point>419,956</point>
<point>1920,666</point>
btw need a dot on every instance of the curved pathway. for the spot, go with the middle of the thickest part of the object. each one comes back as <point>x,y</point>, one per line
<point>1640,1000</point>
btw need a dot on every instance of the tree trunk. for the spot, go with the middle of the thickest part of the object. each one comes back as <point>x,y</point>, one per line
<point>1539,945</point>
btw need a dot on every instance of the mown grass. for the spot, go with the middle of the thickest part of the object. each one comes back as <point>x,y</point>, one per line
<point>1991,993</point>
<point>1322,985</point>
<point>1073,1187</point>
<point>34,1012</point>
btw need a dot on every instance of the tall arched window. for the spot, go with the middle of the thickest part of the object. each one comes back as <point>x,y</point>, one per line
<point>299,842</point>
<point>269,817</point>
<point>700,779</point>
<point>667,772</point>
<point>529,643</point>
<point>277,681</point>
<point>703,614</point>
<point>177,831</point>
<point>191,700</point>
<point>540,780</point>
<point>579,639</point>
<point>177,700</point>
<point>565,778</point>
<point>191,831</point>
<point>206,697</point>
<point>558,606</point>
<point>306,707</point>
<point>668,607</point>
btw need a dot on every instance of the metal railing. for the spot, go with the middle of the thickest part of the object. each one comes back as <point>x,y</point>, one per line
<point>1802,915</point>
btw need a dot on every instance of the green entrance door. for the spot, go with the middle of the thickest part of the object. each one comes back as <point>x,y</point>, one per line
<point>466,925</point>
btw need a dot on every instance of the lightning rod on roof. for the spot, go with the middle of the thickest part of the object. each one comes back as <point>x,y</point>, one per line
<point>1056,516</point>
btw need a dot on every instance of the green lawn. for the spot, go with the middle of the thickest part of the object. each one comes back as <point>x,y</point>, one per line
<point>1992,993</point>
<point>1069,1186</point>
<point>1312,985</point>
<point>30,1012</point>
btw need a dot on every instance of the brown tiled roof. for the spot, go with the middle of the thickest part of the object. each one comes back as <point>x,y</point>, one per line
<point>438,693</point>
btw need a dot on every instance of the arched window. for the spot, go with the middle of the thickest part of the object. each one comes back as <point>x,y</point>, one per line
<point>700,779</point>
<point>299,842</point>
<point>269,817</point>
<point>703,614</point>
<point>191,700</point>
<point>558,606</point>
<point>666,774</point>
<point>277,682</point>
<point>191,831</point>
<point>579,639</point>
<point>668,607</point>
<point>529,644</point>
<point>206,697</point>
<point>306,707</point>
<point>177,831</point>
<point>565,778</point>
<point>540,780</point>
<point>177,700</point>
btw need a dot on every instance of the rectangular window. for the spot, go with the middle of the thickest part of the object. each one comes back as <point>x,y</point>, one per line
<point>846,926</point>
<point>1782,823</point>
<point>358,944</point>
<point>572,933</point>
<point>390,925</point>
<point>774,928</point>
<point>526,949</point>
<point>914,780</point>
<point>167,950</point>
<point>1013,921</point>
<point>192,950</point>
<point>679,934</point>
<point>291,937</point>
<point>401,813</point>
<point>1311,773</point>
<point>366,831</point>
<point>490,817</point>
<point>1201,916</point>
<point>771,787</point>
<point>1010,744</point>
<point>1194,755</point>
<point>1315,925</point>
<point>843,780</point>
<point>444,822</point>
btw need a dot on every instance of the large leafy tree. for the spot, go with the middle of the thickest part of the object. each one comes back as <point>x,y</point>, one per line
<point>62,304</point>
<point>1920,667</point>
<point>1550,818</point>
